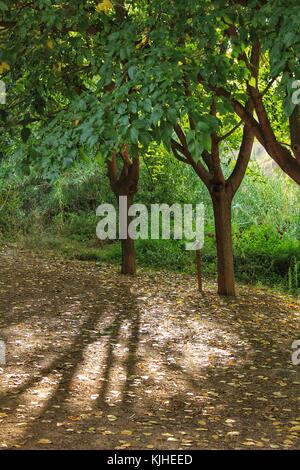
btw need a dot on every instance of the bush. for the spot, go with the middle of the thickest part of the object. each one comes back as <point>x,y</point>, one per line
<point>263,254</point>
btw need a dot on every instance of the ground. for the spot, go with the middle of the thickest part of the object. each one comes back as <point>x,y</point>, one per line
<point>96,360</point>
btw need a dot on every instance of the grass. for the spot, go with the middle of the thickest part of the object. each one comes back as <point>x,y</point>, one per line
<point>274,270</point>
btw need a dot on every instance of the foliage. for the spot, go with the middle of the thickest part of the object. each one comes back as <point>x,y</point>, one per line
<point>85,78</point>
<point>60,216</point>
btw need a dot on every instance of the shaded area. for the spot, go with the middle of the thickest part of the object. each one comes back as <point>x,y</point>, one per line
<point>97,360</point>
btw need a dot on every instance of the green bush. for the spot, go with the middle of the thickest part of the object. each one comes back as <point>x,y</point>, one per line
<point>263,254</point>
<point>79,226</point>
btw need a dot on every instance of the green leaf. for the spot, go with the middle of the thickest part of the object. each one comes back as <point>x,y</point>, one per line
<point>132,71</point>
<point>133,107</point>
<point>288,106</point>
<point>206,139</point>
<point>252,82</point>
<point>172,115</point>
<point>166,133</point>
<point>134,135</point>
<point>156,115</point>
<point>203,126</point>
<point>190,137</point>
<point>147,105</point>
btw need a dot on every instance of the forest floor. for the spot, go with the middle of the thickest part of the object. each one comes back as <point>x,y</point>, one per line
<point>96,360</point>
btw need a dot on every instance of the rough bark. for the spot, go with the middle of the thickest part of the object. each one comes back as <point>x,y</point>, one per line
<point>125,184</point>
<point>222,192</point>
<point>262,130</point>
<point>210,170</point>
<point>225,265</point>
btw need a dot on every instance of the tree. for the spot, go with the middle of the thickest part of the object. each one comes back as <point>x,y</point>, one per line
<point>171,106</point>
<point>125,184</point>
<point>176,73</point>
<point>274,95</point>
<point>56,59</point>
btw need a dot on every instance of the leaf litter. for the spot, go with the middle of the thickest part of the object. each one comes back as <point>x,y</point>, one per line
<point>96,360</point>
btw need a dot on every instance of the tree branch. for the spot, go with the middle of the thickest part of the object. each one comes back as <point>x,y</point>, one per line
<point>198,167</point>
<point>229,133</point>
<point>235,179</point>
<point>176,147</point>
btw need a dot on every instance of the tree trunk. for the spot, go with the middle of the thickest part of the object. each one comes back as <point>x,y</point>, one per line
<point>125,184</point>
<point>222,212</point>
<point>128,257</point>
<point>128,248</point>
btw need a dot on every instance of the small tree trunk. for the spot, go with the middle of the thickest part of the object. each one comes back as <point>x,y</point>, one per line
<point>222,212</point>
<point>128,248</point>
<point>125,184</point>
<point>128,257</point>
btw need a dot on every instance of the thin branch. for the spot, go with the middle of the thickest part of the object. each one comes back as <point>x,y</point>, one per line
<point>269,86</point>
<point>198,166</point>
<point>229,133</point>
<point>176,148</point>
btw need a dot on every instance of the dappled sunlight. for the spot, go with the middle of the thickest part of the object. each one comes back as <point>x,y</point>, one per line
<point>125,366</point>
<point>38,341</point>
<point>88,375</point>
<point>29,407</point>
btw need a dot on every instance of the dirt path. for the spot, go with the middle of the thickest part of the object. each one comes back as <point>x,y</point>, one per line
<point>99,361</point>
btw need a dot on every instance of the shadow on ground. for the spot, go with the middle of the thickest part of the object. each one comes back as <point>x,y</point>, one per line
<point>96,360</point>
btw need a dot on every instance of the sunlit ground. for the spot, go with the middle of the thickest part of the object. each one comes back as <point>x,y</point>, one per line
<point>98,360</point>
